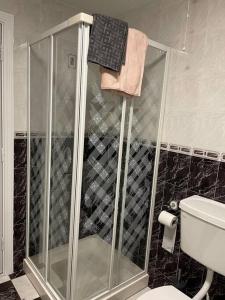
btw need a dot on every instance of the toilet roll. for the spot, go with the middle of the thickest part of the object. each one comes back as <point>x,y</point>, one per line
<point>170,230</point>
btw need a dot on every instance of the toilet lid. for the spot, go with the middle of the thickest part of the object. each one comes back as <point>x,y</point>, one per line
<point>164,293</point>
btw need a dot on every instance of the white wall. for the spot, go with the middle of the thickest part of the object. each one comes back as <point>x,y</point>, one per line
<point>31,17</point>
<point>195,111</point>
<point>195,114</point>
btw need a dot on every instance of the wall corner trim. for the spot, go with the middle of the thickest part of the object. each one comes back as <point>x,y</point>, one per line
<point>7,21</point>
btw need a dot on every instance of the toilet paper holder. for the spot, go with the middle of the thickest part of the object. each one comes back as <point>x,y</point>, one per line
<point>173,205</point>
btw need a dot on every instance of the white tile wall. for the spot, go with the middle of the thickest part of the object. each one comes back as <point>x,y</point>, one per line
<point>31,16</point>
<point>198,88</point>
<point>195,102</point>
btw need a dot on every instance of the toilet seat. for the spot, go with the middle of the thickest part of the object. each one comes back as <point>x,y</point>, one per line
<point>164,293</point>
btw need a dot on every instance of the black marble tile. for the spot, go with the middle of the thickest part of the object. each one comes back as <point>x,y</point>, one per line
<point>18,257</point>
<point>196,174</point>
<point>203,176</point>
<point>167,263</point>
<point>173,192</point>
<point>158,207</point>
<point>162,166</point>
<point>191,275</point>
<point>20,182</point>
<point>206,178</point>
<point>19,238</point>
<point>153,252</point>
<point>19,210</point>
<point>217,290</point>
<point>178,169</point>
<point>159,280</point>
<point>20,153</point>
<point>208,183</point>
<point>220,184</point>
<point>8,291</point>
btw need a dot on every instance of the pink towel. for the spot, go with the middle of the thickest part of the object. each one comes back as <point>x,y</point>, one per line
<point>129,80</point>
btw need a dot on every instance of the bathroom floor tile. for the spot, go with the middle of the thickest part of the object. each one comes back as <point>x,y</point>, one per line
<point>4,278</point>
<point>17,289</point>
<point>24,288</point>
<point>8,291</point>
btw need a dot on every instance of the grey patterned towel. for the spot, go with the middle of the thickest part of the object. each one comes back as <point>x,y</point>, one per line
<point>108,41</point>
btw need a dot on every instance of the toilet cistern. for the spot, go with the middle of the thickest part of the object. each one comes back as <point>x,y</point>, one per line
<point>203,239</point>
<point>203,220</point>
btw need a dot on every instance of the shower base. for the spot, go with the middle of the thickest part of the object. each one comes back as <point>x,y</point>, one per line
<point>92,271</point>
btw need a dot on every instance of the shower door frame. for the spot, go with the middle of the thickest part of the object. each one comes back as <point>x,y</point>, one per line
<point>82,21</point>
<point>140,280</point>
<point>7,147</point>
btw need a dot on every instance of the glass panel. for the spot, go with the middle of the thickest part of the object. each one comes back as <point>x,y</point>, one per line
<point>63,110</point>
<point>101,149</point>
<point>138,161</point>
<point>39,102</point>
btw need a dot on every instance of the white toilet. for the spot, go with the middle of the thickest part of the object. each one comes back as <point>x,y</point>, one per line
<point>202,238</point>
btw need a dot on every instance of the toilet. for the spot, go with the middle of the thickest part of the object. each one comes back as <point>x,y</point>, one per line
<point>203,239</point>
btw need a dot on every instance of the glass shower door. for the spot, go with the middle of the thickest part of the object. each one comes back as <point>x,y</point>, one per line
<point>100,187</point>
<point>139,159</point>
<point>118,165</point>
<point>53,100</point>
<point>39,111</point>
<point>62,148</point>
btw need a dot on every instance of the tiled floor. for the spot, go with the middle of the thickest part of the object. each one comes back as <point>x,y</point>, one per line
<point>17,289</point>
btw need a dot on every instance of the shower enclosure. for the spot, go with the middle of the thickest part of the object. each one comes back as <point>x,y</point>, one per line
<point>92,169</point>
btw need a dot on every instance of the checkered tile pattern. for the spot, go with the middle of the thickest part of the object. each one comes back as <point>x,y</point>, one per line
<point>139,184</point>
<point>100,170</point>
<point>61,181</point>
<point>60,192</point>
<point>37,187</point>
<point>19,288</point>
<point>99,181</point>
<point>99,192</point>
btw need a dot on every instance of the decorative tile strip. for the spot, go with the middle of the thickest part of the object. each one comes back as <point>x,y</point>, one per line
<point>174,147</point>
<point>213,155</point>
<point>199,152</point>
<point>164,145</point>
<point>20,135</point>
<point>222,156</point>
<point>186,150</point>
